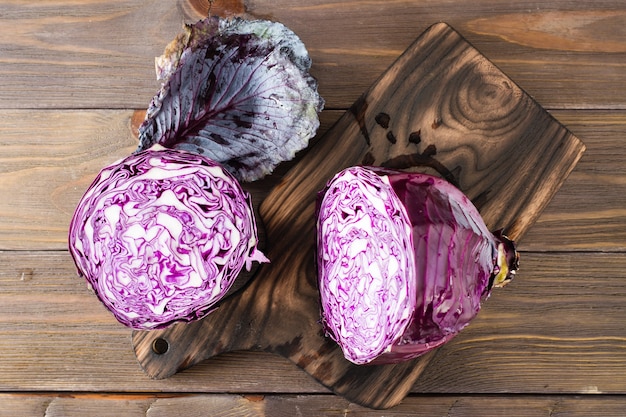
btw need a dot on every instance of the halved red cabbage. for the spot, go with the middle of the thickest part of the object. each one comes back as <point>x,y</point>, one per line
<point>404,262</point>
<point>162,236</point>
<point>237,91</point>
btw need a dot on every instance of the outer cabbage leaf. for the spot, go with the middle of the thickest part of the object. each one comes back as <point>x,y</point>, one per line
<point>236,91</point>
<point>162,236</point>
<point>404,262</point>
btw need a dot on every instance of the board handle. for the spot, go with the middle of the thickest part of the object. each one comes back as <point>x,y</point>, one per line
<point>164,352</point>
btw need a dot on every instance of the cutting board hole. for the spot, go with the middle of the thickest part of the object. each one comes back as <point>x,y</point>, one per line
<point>160,346</point>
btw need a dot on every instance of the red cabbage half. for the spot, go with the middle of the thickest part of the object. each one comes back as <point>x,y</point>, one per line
<point>162,236</point>
<point>404,262</point>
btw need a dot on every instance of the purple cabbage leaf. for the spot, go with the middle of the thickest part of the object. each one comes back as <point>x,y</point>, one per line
<point>162,236</point>
<point>404,263</point>
<point>236,91</point>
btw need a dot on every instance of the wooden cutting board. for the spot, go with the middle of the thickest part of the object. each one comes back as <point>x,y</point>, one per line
<point>442,107</point>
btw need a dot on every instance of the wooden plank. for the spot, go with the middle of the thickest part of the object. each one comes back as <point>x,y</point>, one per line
<point>48,160</point>
<point>223,405</point>
<point>95,54</point>
<point>50,157</point>
<point>77,54</point>
<point>589,211</point>
<point>554,52</point>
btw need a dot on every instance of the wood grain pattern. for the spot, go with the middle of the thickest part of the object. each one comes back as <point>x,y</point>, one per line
<point>587,213</point>
<point>41,189</point>
<point>75,75</point>
<point>556,329</point>
<point>471,118</point>
<point>96,54</point>
<point>303,406</point>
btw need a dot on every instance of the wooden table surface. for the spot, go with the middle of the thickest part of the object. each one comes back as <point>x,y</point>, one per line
<point>75,79</point>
